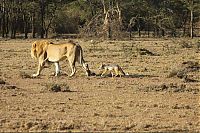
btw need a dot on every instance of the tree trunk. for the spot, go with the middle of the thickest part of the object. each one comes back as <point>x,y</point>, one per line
<point>148,32</point>
<point>184,30</point>
<point>157,32</point>
<point>33,25</point>
<point>184,24</point>
<point>139,30</point>
<point>25,26</point>
<point>130,31</point>
<point>13,29</point>
<point>47,26</point>
<point>119,17</point>
<point>191,20</point>
<point>26,30</point>
<point>130,35</point>
<point>42,11</point>
<point>46,33</point>
<point>3,19</point>
<point>7,25</point>
<point>104,7</point>
<point>107,26</point>
<point>3,25</point>
<point>163,32</point>
<point>109,34</point>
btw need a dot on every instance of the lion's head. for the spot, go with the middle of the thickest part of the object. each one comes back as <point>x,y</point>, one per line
<point>38,48</point>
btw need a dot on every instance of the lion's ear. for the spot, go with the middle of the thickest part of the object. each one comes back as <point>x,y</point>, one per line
<point>34,45</point>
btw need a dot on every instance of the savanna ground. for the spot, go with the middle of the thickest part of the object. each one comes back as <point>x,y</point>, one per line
<point>151,98</point>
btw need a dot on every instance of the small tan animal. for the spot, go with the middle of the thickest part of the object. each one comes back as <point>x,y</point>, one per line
<point>112,68</point>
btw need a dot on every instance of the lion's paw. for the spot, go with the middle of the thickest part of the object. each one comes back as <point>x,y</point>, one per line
<point>34,75</point>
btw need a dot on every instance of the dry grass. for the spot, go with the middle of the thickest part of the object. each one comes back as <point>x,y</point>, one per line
<point>152,98</point>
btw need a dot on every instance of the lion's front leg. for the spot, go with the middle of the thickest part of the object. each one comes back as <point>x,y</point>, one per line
<point>40,67</point>
<point>38,71</point>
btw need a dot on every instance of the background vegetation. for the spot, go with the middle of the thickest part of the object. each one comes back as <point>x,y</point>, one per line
<point>99,18</point>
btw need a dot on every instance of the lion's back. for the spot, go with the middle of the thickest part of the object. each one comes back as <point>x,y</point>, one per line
<point>57,52</point>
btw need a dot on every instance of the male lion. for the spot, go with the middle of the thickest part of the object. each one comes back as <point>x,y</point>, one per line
<point>44,51</point>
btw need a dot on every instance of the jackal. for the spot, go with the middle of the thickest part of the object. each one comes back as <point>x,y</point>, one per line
<point>112,68</point>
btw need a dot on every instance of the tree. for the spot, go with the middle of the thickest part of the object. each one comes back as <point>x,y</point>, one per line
<point>98,17</point>
<point>191,7</point>
<point>3,15</point>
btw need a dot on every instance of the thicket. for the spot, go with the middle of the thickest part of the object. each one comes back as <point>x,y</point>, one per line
<point>99,18</point>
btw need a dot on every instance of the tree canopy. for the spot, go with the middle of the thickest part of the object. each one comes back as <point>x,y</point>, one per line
<point>109,18</point>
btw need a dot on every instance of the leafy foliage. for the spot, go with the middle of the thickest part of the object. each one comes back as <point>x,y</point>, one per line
<point>74,16</point>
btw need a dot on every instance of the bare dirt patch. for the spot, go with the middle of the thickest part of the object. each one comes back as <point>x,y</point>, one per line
<point>151,98</point>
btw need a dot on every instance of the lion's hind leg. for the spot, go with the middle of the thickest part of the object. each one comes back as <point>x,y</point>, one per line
<point>73,68</point>
<point>57,66</point>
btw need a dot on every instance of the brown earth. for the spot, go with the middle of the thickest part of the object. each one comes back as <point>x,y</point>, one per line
<point>146,100</point>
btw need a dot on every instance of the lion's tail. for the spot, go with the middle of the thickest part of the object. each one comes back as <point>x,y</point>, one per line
<point>79,55</point>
